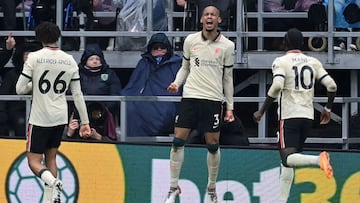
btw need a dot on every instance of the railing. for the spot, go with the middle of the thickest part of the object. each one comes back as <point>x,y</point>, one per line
<point>241,33</point>
<point>261,138</point>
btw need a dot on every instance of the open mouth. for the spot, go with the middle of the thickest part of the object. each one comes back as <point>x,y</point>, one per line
<point>209,22</point>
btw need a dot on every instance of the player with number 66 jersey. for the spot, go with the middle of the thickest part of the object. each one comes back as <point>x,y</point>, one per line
<point>49,72</point>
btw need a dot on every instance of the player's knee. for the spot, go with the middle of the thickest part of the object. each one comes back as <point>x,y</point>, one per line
<point>177,142</point>
<point>284,153</point>
<point>283,161</point>
<point>212,148</point>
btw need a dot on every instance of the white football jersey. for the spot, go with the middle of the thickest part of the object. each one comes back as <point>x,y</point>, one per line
<point>299,72</point>
<point>207,68</point>
<point>49,73</point>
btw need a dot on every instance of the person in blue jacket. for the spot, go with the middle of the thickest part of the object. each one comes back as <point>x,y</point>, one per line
<point>344,19</point>
<point>156,69</point>
<point>97,79</point>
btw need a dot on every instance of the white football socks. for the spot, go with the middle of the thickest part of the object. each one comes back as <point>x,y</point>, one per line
<point>213,162</point>
<point>176,160</point>
<point>47,177</point>
<point>298,160</point>
<point>286,179</point>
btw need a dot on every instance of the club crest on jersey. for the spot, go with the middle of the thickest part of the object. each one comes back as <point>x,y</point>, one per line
<point>217,51</point>
<point>104,77</point>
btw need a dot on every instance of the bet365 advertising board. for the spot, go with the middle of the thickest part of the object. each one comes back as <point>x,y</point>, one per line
<point>127,173</point>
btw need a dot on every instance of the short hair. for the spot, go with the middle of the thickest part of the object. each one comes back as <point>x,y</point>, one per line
<point>47,32</point>
<point>209,4</point>
<point>293,39</point>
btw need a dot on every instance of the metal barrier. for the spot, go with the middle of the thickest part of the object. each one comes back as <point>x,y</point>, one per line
<point>262,137</point>
<point>244,58</point>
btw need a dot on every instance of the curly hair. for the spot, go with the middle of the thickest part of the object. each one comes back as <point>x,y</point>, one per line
<point>47,32</point>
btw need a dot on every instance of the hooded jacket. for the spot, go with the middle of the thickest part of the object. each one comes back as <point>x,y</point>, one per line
<point>150,78</point>
<point>102,82</point>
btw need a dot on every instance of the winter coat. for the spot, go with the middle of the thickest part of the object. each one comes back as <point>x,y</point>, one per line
<point>103,82</point>
<point>151,78</point>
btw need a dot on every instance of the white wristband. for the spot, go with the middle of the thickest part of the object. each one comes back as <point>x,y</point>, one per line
<point>327,109</point>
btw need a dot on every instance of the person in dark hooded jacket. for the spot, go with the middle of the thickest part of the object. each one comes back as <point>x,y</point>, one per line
<point>13,113</point>
<point>97,79</point>
<point>156,69</point>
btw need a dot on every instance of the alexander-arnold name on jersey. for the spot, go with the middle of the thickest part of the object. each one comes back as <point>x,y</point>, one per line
<point>53,61</point>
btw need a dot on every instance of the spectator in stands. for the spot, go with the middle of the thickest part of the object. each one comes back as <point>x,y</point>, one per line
<point>97,79</point>
<point>24,4</point>
<point>160,20</point>
<point>9,10</point>
<point>133,18</point>
<point>227,11</point>
<point>288,5</point>
<point>6,53</point>
<point>43,10</point>
<point>283,24</point>
<point>346,17</point>
<point>5,56</point>
<point>156,69</point>
<point>12,113</point>
<point>103,23</point>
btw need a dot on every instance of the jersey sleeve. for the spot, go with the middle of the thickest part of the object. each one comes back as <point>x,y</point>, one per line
<point>24,83</point>
<point>79,101</point>
<point>228,82</point>
<point>278,79</point>
<point>230,56</point>
<point>185,65</point>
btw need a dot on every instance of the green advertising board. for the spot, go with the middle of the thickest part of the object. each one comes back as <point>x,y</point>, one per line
<point>133,173</point>
<point>246,176</point>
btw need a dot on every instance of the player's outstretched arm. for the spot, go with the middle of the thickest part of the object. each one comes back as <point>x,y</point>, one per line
<point>258,114</point>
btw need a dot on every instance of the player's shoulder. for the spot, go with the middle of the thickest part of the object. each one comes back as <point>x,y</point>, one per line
<point>278,62</point>
<point>65,54</point>
<point>313,59</point>
<point>193,36</point>
<point>35,53</point>
<point>226,40</point>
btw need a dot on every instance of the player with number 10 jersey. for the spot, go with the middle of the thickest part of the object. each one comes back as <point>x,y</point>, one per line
<point>300,71</point>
